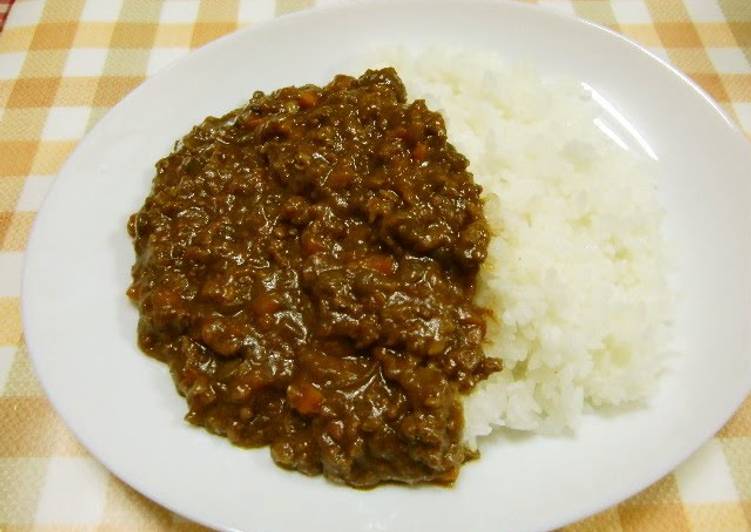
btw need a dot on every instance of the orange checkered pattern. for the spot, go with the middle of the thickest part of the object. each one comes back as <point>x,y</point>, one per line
<point>64,63</point>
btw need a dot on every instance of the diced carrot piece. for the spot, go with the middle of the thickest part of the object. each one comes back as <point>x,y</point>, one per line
<point>420,152</point>
<point>305,398</point>
<point>449,476</point>
<point>308,100</point>
<point>265,304</point>
<point>133,292</point>
<point>379,263</point>
<point>342,81</point>
<point>252,121</point>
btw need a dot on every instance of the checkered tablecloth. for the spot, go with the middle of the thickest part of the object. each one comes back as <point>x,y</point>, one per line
<point>64,63</point>
<point>4,9</point>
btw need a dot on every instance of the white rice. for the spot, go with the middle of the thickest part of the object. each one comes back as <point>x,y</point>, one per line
<point>576,273</point>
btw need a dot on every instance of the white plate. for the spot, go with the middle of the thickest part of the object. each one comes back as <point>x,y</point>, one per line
<point>81,329</point>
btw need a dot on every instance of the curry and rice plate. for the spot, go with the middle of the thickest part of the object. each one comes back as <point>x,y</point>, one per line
<point>367,278</point>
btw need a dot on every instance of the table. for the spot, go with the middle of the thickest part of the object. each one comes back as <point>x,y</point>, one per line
<point>64,63</point>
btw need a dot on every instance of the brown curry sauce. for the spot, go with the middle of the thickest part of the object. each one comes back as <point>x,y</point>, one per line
<point>306,266</point>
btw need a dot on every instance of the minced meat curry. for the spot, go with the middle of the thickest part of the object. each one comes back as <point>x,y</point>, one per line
<point>306,267</point>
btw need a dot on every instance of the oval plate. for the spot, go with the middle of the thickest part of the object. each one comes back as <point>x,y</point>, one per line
<point>81,329</point>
